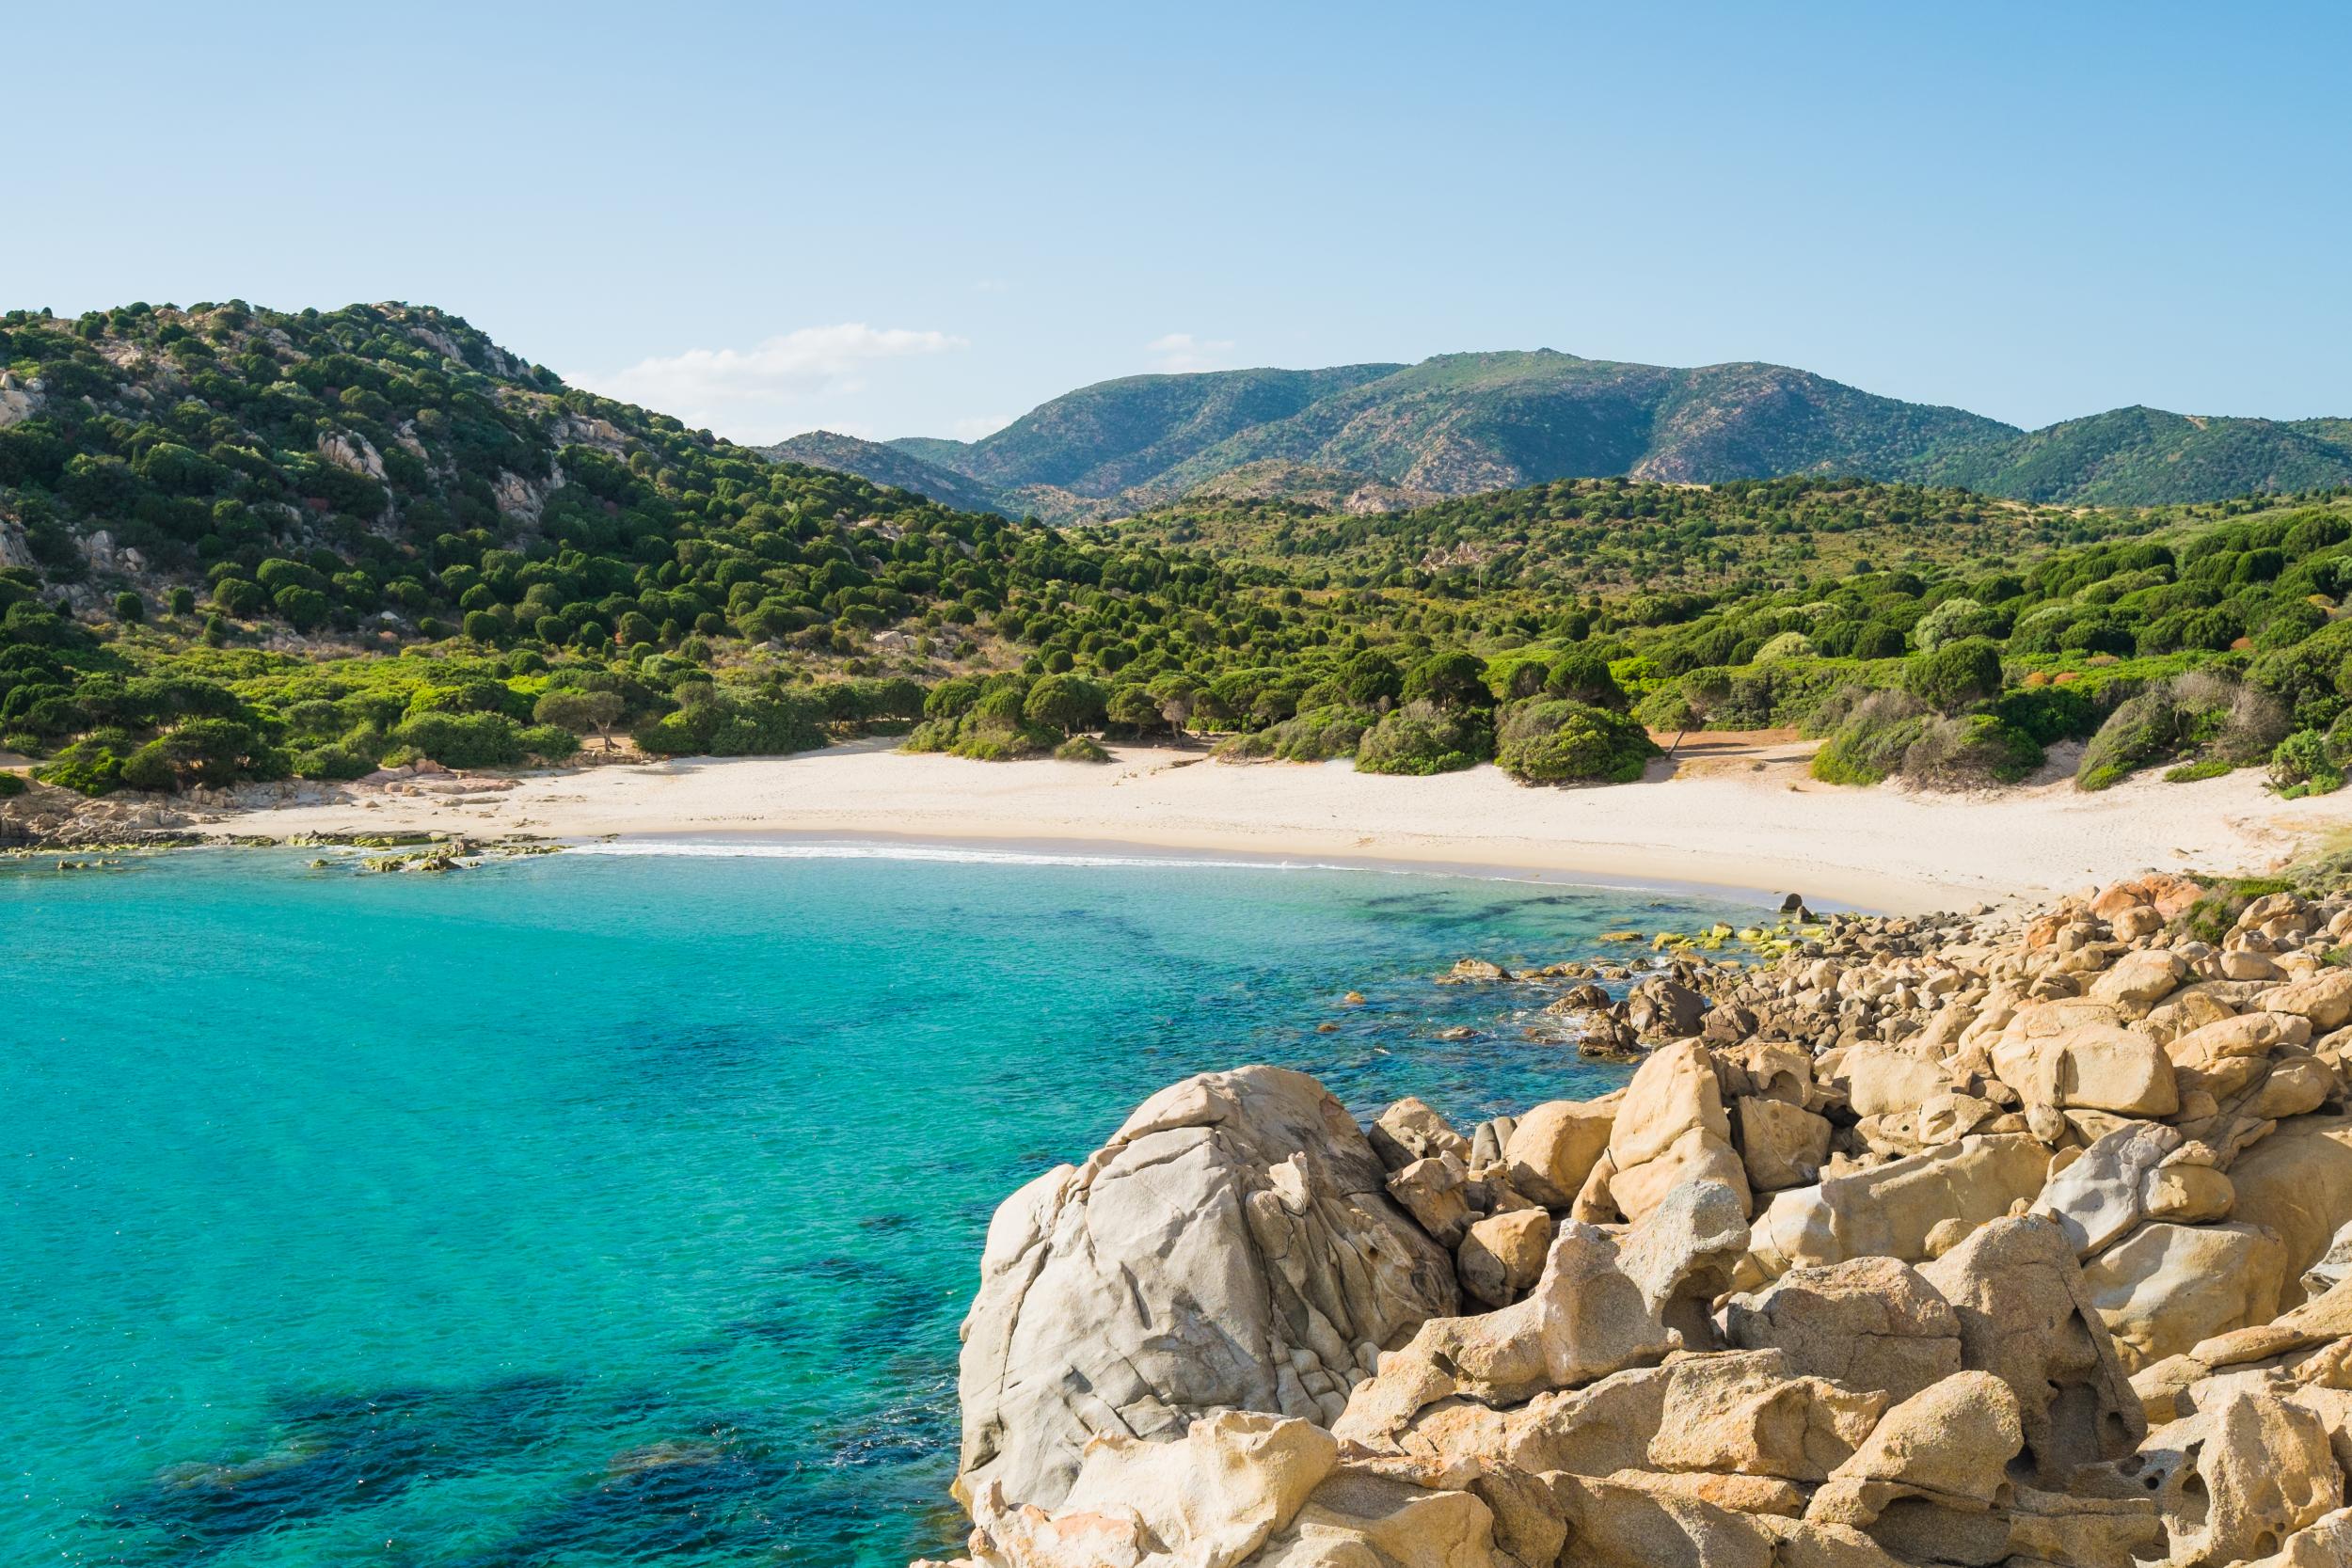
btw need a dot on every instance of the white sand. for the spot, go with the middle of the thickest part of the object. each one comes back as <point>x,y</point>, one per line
<point>1753,821</point>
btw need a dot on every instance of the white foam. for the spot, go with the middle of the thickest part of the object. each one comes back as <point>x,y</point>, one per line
<point>955,854</point>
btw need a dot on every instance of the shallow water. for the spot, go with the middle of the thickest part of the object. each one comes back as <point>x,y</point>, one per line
<point>606,1209</point>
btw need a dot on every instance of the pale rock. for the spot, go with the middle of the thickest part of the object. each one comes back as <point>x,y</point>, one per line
<point>1672,1129</point>
<point>2166,1287</point>
<point>1176,1272</point>
<point>1436,1192</point>
<point>1604,1303</point>
<point>1209,1499</point>
<point>1949,1446</point>
<point>1871,1322</point>
<point>2297,1182</point>
<point>2139,981</point>
<point>2334,1266</point>
<point>1614,1526</point>
<point>2027,1315</point>
<point>1888,1080</point>
<point>1504,1254</point>
<point>1410,1130</point>
<point>1359,1518</point>
<point>1660,1008</point>
<point>2240,1476</point>
<point>2182,1012</point>
<point>2324,998</point>
<point>2326,1542</point>
<point>2239,963</point>
<point>2189,1193</point>
<point>1554,1146</point>
<point>1781,1144</point>
<point>2092,1065</point>
<point>2102,1194</point>
<point>1889,1209</point>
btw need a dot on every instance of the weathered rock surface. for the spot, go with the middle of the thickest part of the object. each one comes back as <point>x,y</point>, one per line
<point>1232,1247</point>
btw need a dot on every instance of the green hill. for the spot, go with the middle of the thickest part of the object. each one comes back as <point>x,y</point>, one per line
<point>1460,424</point>
<point>882,465</point>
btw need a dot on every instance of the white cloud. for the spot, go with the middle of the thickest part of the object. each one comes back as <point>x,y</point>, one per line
<point>1182,351</point>
<point>752,393</point>
<point>978,425</point>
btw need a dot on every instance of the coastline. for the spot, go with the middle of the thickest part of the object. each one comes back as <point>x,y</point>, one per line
<point>1758,824</point>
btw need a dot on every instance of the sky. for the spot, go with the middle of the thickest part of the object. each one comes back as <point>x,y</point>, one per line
<point>928,220</point>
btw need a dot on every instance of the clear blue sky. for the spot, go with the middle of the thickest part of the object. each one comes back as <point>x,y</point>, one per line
<point>926,219</point>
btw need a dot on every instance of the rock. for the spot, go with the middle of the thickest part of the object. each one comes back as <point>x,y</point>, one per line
<point>2166,1287</point>
<point>2325,1544</point>
<point>2240,1476</point>
<point>2298,1183</point>
<point>2139,980</point>
<point>1615,1526</point>
<point>1781,1144</point>
<point>1436,1193</point>
<point>1662,1008</point>
<point>1604,1303</point>
<point>2334,1266</point>
<point>1209,1499</point>
<point>2090,1066</point>
<point>1669,1129</point>
<point>2324,998</point>
<point>1872,1322</point>
<point>1504,1254</point>
<point>1472,971</point>
<point>2027,1315</point>
<point>1948,1446</point>
<point>1236,1221</point>
<point>1889,1209</point>
<point>1361,1519</point>
<point>2102,1194</point>
<point>1409,1130</point>
<point>1554,1146</point>
<point>1888,1080</point>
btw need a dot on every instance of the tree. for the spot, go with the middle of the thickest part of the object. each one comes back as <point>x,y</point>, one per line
<point>130,608</point>
<point>579,712</point>
<point>1454,680</point>
<point>1066,703</point>
<point>1371,680</point>
<point>1956,676</point>
<point>181,601</point>
<point>1581,675</point>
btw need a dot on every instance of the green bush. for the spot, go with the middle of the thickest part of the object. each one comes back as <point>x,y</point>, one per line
<point>1955,676</point>
<point>1871,740</point>
<point>1973,752</point>
<point>1319,735</point>
<point>463,739</point>
<point>1557,741</point>
<point>1422,738</point>
<point>549,743</point>
<point>1081,747</point>
<point>10,784</point>
<point>2049,714</point>
<point>1581,675</point>
<point>732,724</point>
<point>2145,729</point>
<point>88,767</point>
<point>130,608</point>
<point>2189,772</point>
<point>332,762</point>
<point>2300,765</point>
<point>181,601</point>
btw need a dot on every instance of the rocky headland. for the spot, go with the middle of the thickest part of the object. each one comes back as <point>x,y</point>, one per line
<point>2020,1240</point>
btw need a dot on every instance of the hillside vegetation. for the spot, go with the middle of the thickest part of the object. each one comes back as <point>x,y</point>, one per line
<point>1381,436</point>
<point>243,544</point>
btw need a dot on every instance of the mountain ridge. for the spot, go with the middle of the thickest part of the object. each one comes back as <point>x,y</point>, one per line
<point>1458,424</point>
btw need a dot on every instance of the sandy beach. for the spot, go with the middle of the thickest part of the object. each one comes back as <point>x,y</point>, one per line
<point>1745,817</point>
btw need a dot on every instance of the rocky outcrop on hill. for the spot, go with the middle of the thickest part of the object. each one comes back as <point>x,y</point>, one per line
<point>2023,1242</point>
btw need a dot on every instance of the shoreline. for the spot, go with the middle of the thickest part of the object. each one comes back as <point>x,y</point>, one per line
<point>1754,825</point>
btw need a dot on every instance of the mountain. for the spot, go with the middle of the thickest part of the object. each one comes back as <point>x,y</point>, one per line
<point>896,465</point>
<point>1377,436</point>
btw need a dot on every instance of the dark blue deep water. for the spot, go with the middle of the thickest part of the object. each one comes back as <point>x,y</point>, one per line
<point>604,1208</point>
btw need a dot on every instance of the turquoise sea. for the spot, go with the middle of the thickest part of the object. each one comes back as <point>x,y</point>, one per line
<point>602,1208</point>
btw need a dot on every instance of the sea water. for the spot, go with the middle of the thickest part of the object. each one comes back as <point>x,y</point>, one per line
<point>620,1208</point>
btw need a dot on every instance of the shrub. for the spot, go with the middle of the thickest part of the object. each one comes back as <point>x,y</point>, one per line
<point>1456,680</point>
<point>181,601</point>
<point>130,608</point>
<point>1956,619</point>
<point>1316,735</point>
<point>1789,645</point>
<point>548,742</point>
<point>2189,772</point>
<point>463,739</point>
<point>2049,714</point>
<point>89,766</point>
<point>1422,738</point>
<point>10,784</point>
<point>2145,729</point>
<point>1879,640</point>
<point>1080,748</point>
<point>335,761</point>
<point>730,725</point>
<point>1974,752</point>
<point>1956,676</point>
<point>1871,740</point>
<point>1557,741</point>
<point>1066,702</point>
<point>1581,675</point>
<point>2300,765</point>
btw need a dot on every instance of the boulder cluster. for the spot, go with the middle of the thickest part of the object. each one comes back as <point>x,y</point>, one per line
<point>1964,1241</point>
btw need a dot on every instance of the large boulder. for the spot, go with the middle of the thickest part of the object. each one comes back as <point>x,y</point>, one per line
<point>2165,1288</point>
<point>2105,1191</point>
<point>1672,1127</point>
<point>2239,1477</point>
<point>1230,1249</point>
<point>2026,1315</point>
<point>2297,1182</point>
<point>1872,1323</point>
<point>1890,1210</point>
<point>1554,1146</point>
<point>2087,1065</point>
